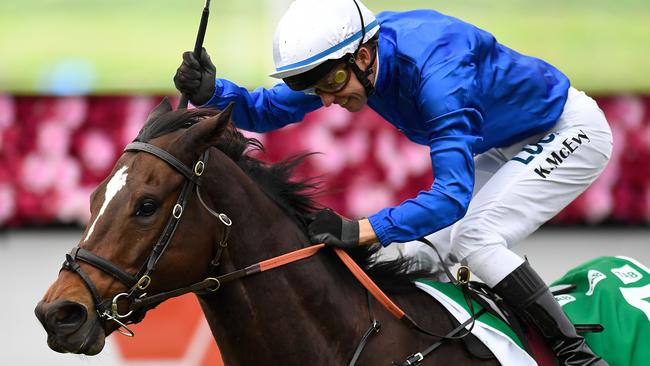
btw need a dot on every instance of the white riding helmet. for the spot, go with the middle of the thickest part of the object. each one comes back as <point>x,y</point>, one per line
<point>312,32</point>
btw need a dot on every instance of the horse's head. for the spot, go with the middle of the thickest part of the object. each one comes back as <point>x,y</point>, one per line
<point>131,248</point>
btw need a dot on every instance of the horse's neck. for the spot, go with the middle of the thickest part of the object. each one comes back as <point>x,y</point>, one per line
<point>289,314</point>
<point>287,311</point>
<point>310,312</point>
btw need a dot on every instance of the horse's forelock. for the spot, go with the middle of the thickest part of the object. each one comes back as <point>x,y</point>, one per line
<point>161,124</point>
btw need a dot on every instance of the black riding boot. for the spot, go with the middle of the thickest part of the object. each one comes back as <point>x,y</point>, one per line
<point>529,296</point>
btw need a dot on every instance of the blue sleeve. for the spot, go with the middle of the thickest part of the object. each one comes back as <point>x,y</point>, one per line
<point>452,124</point>
<point>263,109</point>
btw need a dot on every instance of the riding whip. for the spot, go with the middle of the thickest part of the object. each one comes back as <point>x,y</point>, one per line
<point>182,104</point>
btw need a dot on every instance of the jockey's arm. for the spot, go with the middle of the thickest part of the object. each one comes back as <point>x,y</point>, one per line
<point>263,109</point>
<point>447,200</point>
<point>367,234</point>
<point>451,126</point>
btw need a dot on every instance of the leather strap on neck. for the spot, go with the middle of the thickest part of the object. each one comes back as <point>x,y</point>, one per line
<point>369,284</point>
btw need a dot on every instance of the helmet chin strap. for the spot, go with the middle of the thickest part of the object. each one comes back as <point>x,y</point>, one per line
<point>362,75</point>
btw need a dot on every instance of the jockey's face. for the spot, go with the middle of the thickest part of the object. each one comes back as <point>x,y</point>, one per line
<point>353,96</point>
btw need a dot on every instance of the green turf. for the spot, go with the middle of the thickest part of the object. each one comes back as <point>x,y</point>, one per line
<point>135,46</point>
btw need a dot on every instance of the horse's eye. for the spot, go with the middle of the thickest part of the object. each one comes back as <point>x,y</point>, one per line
<point>146,208</point>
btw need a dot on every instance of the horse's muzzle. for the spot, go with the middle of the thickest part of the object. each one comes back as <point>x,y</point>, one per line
<point>70,327</point>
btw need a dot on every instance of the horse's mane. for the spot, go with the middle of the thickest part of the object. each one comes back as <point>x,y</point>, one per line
<point>295,197</point>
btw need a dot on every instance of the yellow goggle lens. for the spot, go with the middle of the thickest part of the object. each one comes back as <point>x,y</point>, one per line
<point>340,76</point>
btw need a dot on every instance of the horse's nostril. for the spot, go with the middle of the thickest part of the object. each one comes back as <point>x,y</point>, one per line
<point>68,314</point>
<point>66,317</point>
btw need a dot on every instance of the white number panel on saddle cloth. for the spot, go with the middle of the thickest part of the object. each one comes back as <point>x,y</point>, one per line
<point>614,292</point>
<point>489,329</point>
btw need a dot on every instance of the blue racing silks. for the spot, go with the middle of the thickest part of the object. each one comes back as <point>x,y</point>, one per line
<point>445,84</point>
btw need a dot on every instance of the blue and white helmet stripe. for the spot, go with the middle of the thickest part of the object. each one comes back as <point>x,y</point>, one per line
<point>323,55</point>
<point>314,31</point>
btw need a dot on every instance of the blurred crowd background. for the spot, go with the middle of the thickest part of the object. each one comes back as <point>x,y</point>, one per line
<point>56,149</point>
<point>78,77</point>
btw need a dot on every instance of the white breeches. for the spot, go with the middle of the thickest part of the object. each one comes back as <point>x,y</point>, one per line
<point>518,188</point>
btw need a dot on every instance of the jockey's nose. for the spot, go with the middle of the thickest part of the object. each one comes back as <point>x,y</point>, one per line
<point>327,99</point>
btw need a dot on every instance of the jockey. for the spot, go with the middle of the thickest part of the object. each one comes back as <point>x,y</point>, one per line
<point>511,142</point>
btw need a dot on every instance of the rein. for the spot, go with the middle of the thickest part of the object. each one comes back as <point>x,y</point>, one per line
<point>212,284</point>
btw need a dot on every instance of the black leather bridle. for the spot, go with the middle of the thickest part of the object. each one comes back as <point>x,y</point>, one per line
<point>107,309</point>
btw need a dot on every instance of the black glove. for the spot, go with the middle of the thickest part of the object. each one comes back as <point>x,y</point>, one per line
<point>194,79</point>
<point>328,227</point>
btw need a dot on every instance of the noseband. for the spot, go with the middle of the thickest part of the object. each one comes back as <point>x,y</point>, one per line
<point>107,309</point>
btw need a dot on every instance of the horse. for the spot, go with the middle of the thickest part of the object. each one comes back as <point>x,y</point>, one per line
<point>155,233</point>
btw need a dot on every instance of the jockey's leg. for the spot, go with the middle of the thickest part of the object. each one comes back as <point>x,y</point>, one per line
<point>527,293</point>
<point>539,178</point>
<point>424,258</point>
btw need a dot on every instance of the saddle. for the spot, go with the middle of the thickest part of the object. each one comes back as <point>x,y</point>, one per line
<point>493,304</point>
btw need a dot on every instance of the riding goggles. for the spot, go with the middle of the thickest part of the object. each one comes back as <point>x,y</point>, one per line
<point>335,81</point>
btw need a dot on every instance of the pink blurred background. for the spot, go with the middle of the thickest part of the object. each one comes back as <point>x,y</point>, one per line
<point>55,150</point>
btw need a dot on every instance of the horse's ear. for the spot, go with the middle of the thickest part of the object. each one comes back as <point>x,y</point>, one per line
<point>221,123</point>
<point>206,132</point>
<point>160,109</point>
<point>211,128</point>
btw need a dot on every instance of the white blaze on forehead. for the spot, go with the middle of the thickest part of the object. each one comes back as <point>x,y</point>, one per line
<point>114,185</point>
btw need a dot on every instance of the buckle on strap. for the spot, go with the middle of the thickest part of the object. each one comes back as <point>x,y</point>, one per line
<point>199,168</point>
<point>414,359</point>
<point>463,275</point>
<point>177,211</point>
